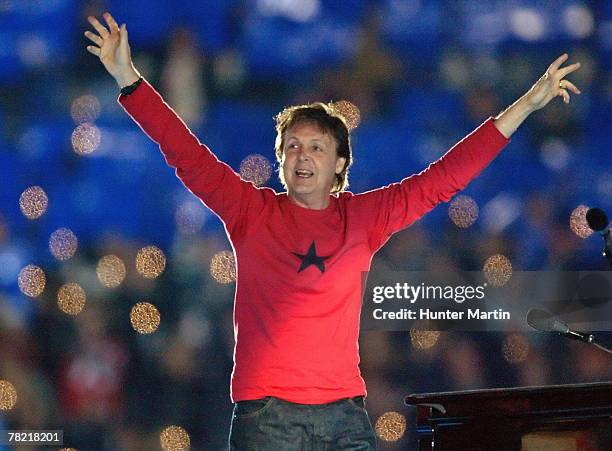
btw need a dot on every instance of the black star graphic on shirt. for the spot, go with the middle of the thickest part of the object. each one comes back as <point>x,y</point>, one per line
<point>311,258</point>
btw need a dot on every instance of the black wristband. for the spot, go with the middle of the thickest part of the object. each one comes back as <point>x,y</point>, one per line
<point>126,91</point>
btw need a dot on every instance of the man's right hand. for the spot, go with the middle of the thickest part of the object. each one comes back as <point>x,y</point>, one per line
<point>113,49</point>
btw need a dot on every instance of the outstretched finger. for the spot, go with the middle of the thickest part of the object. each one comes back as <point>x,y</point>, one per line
<point>568,70</point>
<point>123,34</point>
<point>93,49</point>
<point>563,93</point>
<point>557,63</point>
<point>94,38</point>
<point>569,85</point>
<point>101,29</point>
<point>111,22</point>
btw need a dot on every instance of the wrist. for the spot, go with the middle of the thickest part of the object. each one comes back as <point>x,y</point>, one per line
<point>526,104</point>
<point>512,117</point>
<point>127,79</point>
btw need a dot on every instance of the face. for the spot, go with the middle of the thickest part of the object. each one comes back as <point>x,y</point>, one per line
<point>310,163</point>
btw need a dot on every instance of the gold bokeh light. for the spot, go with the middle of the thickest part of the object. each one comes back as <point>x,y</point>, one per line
<point>497,270</point>
<point>223,267</point>
<point>85,108</point>
<point>71,298</point>
<point>515,348</point>
<point>8,395</point>
<point>32,281</point>
<point>150,262</point>
<point>422,338</point>
<point>256,168</point>
<point>578,222</point>
<point>463,211</point>
<point>110,271</point>
<point>86,138</point>
<point>350,112</point>
<point>174,438</point>
<point>145,318</point>
<point>33,202</point>
<point>390,426</point>
<point>63,244</point>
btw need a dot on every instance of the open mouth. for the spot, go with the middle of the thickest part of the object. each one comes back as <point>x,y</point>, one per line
<point>304,173</point>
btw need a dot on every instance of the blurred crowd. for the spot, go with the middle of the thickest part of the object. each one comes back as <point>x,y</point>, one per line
<point>423,74</point>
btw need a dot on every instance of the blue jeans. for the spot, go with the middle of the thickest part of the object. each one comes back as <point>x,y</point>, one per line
<point>274,424</point>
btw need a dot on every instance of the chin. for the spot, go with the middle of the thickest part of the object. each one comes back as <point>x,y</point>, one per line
<point>300,189</point>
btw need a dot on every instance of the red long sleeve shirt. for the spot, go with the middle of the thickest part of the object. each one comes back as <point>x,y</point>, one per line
<point>299,271</point>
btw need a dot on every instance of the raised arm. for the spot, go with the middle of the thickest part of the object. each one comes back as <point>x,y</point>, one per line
<point>549,86</point>
<point>400,204</point>
<point>214,182</point>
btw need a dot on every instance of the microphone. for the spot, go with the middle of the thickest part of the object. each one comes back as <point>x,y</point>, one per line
<point>598,221</point>
<point>545,321</point>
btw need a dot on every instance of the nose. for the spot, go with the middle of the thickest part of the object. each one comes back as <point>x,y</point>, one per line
<point>302,155</point>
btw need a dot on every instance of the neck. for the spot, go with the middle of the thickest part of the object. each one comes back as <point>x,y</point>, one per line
<point>319,203</point>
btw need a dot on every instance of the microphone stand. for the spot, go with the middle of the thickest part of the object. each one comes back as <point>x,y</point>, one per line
<point>544,321</point>
<point>607,250</point>
<point>588,338</point>
<point>602,347</point>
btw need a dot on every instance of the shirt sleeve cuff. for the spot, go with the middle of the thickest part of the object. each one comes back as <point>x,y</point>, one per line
<point>137,97</point>
<point>492,133</point>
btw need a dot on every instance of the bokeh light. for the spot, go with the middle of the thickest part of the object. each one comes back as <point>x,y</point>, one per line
<point>85,108</point>
<point>71,298</point>
<point>515,348</point>
<point>63,244</point>
<point>33,202</point>
<point>422,338</point>
<point>527,23</point>
<point>579,21</point>
<point>497,270</point>
<point>32,281</point>
<point>501,211</point>
<point>463,211</point>
<point>256,168</point>
<point>174,438</point>
<point>86,138</point>
<point>34,49</point>
<point>150,262</point>
<point>223,267</point>
<point>190,217</point>
<point>145,318</point>
<point>8,395</point>
<point>555,154</point>
<point>578,222</point>
<point>110,271</point>
<point>350,112</point>
<point>390,426</point>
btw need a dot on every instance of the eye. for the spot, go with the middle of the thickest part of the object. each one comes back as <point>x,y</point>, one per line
<point>317,148</point>
<point>292,146</point>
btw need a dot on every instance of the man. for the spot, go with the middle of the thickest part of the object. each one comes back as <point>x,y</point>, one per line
<point>300,254</point>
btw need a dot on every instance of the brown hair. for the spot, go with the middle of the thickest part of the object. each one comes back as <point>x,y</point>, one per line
<point>329,121</point>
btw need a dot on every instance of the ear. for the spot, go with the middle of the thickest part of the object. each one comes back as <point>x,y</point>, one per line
<point>340,162</point>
